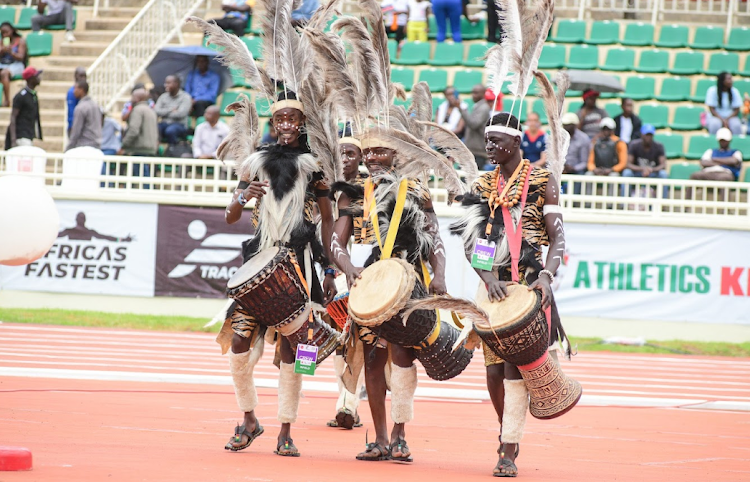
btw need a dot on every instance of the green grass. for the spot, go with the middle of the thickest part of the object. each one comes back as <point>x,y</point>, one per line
<point>670,347</point>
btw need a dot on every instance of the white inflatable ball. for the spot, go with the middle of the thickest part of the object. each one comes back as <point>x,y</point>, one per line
<point>29,221</point>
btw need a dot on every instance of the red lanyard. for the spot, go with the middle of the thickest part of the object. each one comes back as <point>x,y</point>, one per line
<point>515,233</point>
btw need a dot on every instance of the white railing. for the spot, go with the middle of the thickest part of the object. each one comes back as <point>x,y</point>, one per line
<point>657,8</point>
<point>115,71</point>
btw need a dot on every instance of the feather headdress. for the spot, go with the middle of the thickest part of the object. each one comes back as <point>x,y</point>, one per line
<point>447,142</point>
<point>244,133</point>
<point>373,15</point>
<point>322,126</point>
<point>282,46</point>
<point>557,147</point>
<point>534,24</point>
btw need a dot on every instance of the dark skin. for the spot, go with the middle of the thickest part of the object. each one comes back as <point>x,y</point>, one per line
<point>647,140</point>
<point>287,123</point>
<point>589,105</point>
<point>19,55</point>
<point>723,175</point>
<point>504,150</point>
<point>454,103</point>
<point>32,84</point>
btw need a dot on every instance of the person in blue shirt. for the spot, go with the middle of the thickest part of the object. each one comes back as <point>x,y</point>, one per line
<point>722,164</point>
<point>534,141</point>
<point>237,14</point>
<point>70,99</point>
<point>203,86</point>
<point>724,101</point>
<point>303,14</point>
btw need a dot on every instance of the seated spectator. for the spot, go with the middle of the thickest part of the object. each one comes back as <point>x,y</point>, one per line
<point>627,124</point>
<point>417,26</point>
<point>590,114</point>
<point>142,135</point>
<point>128,106</point>
<point>111,135</point>
<point>203,86</point>
<point>87,120</point>
<point>475,122</point>
<point>580,145</point>
<point>173,107</point>
<point>13,58</point>
<point>724,101</point>
<point>396,14</point>
<point>71,99</point>
<point>209,134</point>
<point>448,114</point>
<point>609,155</point>
<point>304,13</point>
<point>722,164</point>
<point>237,14</point>
<point>59,12</point>
<point>646,157</point>
<point>534,141</point>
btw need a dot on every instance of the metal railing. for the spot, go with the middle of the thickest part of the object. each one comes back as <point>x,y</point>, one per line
<point>119,66</point>
<point>657,8</point>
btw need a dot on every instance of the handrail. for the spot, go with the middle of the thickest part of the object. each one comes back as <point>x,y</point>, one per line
<point>730,19</point>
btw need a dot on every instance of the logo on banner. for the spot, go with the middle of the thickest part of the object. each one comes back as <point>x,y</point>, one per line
<point>213,254</point>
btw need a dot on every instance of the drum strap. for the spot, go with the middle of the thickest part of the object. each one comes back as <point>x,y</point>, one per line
<point>387,249</point>
<point>515,233</point>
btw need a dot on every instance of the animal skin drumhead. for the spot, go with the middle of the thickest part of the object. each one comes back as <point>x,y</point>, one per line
<point>519,302</point>
<point>253,266</point>
<point>29,221</point>
<point>378,290</point>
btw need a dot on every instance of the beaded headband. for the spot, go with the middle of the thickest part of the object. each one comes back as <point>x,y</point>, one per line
<point>283,104</point>
<point>351,140</point>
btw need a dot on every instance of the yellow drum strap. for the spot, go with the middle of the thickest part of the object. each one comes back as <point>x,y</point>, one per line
<point>387,249</point>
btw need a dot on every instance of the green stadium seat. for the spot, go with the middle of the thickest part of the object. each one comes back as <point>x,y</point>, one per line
<point>746,177</point>
<point>263,106</point>
<point>473,31</point>
<point>674,89</point>
<point>61,26</point>
<point>24,18</point>
<point>654,114</point>
<point>739,39</point>
<point>432,28</point>
<point>604,33</point>
<point>227,98</point>
<point>613,109</point>
<point>723,62</point>
<point>465,80</point>
<point>575,106</point>
<point>708,38</point>
<point>553,56</point>
<point>743,85</point>
<point>255,46</point>
<point>683,170</point>
<point>519,110</point>
<point>698,144</point>
<point>476,53</point>
<point>437,79</point>
<point>688,63</point>
<point>742,143</point>
<point>583,57</point>
<point>638,35</point>
<point>238,78</point>
<point>404,76</point>
<point>570,32</point>
<point>611,95</point>
<point>673,37</point>
<point>672,144</point>
<point>640,87</point>
<point>392,48</point>
<point>413,53</point>
<point>653,62</point>
<point>39,44</point>
<point>7,14</point>
<point>619,60</point>
<point>746,71</point>
<point>687,118</point>
<point>407,103</point>
<point>538,107</point>
<point>700,90</point>
<point>447,54</point>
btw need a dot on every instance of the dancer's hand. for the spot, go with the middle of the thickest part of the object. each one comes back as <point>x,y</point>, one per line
<point>542,284</point>
<point>329,289</point>
<point>353,275</point>
<point>497,290</point>
<point>437,286</point>
<point>256,189</point>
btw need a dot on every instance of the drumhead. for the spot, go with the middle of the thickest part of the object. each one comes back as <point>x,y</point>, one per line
<point>252,267</point>
<point>383,285</point>
<point>519,303</point>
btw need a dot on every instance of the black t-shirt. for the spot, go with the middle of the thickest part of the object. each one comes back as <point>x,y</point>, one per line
<point>27,121</point>
<point>643,157</point>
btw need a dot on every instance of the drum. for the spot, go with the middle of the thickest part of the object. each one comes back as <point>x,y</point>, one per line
<point>437,355</point>
<point>338,309</point>
<point>517,331</point>
<point>379,298</point>
<point>324,337</point>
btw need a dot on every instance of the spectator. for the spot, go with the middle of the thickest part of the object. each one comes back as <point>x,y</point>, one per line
<point>724,101</point>
<point>304,13</point>
<point>71,99</point>
<point>142,135</point>
<point>396,13</point>
<point>590,115</point>
<point>416,27</point>
<point>450,10</point>
<point>128,106</point>
<point>722,164</point>
<point>111,135</point>
<point>577,159</point>
<point>13,58</point>
<point>24,116</point>
<point>449,112</point>
<point>494,28</point>
<point>209,135</point>
<point>237,14</point>
<point>495,102</point>
<point>475,122</point>
<point>646,157</point>
<point>59,12</point>
<point>609,155</point>
<point>203,86</point>
<point>173,107</point>
<point>87,120</point>
<point>534,141</point>
<point>627,124</point>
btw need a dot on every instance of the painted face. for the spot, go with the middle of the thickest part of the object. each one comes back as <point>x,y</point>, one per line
<point>379,159</point>
<point>351,156</point>
<point>500,147</point>
<point>287,123</point>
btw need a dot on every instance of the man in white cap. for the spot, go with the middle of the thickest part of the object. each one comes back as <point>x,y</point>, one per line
<point>722,164</point>
<point>580,145</point>
<point>609,154</point>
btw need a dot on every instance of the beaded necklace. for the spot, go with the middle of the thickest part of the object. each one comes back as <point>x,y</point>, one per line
<point>502,196</point>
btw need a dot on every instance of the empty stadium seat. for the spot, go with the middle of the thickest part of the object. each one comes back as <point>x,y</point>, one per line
<point>553,56</point>
<point>619,60</point>
<point>538,107</point>
<point>7,14</point>
<point>573,93</point>
<point>611,95</point>
<point>392,48</point>
<point>61,26</point>
<point>687,118</point>
<point>255,46</point>
<point>39,44</point>
<point>403,76</point>
<point>672,144</point>
<point>673,37</point>
<point>613,109</point>
<point>683,170</point>
<point>583,57</point>
<point>24,18</point>
<point>654,114</point>
<point>640,87</point>
<point>743,85</point>
<point>698,144</point>
<point>570,32</point>
<point>519,110</point>
<point>227,98</point>
<point>238,78</point>
<point>674,89</point>
<point>638,35</point>
<point>604,33</point>
<point>742,143</point>
<point>473,31</point>
<point>723,62</point>
<point>739,39</point>
<point>437,79</point>
<point>746,71</point>
<point>708,38</point>
<point>447,54</point>
<point>688,63</point>
<point>407,103</point>
<point>476,53</point>
<point>653,61</point>
<point>699,94</point>
<point>575,106</point>
<point>465,80</point>
<point>413,53</point>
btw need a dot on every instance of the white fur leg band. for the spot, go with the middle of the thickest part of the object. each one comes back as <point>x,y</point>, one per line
<point>290,389</point>
<point>403,386</point>
<point>241,365</point>
<point>514,411</point>
<point>551,209</point>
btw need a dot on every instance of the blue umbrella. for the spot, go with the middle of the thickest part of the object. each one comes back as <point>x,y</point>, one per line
<point>180,60</point>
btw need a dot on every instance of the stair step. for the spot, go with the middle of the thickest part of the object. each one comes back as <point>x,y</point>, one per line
<point>120,12</point>
<point>67,61</point>
<point>100,23</point>
<point>104,36</point>
<point>89,49</point>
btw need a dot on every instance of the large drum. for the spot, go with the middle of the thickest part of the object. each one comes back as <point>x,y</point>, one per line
<point>517,331</point>
<point>338,309</point>
<point>437,356</point>
<point>323,336</point>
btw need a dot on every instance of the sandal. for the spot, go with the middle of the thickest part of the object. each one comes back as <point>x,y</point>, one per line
<point>239,431</point>
<point>383,453</point>
<point>402,447</point>
<point>507,464</point>
<point>290,450</point>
